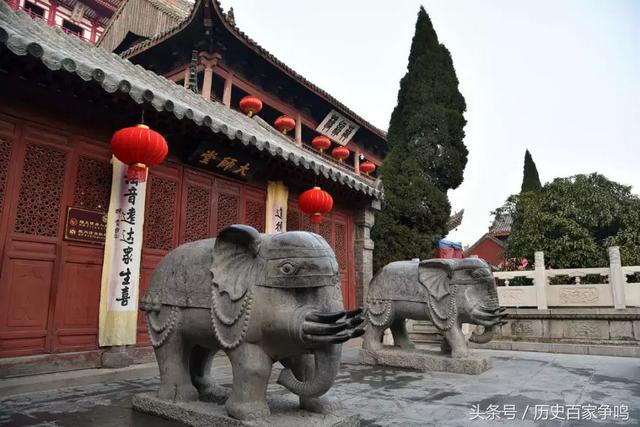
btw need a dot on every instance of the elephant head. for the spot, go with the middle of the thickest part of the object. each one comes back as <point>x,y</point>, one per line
<point>297,277</point>
<point>464,289</point>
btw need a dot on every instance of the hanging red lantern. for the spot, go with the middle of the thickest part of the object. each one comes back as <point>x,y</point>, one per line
<point>367,167</point>
<point>321,143</point>
<point>340,153</point>
<point>314,203</point>
<point>139,147</point>
<point>284,124</point>
<point>250,105</point>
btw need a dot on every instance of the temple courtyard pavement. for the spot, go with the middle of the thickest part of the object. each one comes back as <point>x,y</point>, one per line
<point>522,389</point>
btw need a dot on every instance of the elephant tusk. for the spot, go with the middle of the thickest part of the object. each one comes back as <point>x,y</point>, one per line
<point>353,313</point>
<point>314,328</point>
<point>319,317</point>
<point>327,339</point>
<point>355,322</point>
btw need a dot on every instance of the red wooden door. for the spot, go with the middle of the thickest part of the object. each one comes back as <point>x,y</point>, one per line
<point>32,221</point>
<point>78,292</point>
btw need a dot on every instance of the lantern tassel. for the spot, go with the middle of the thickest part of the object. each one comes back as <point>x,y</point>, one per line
<point>316,218</point>
<point>137,172</point>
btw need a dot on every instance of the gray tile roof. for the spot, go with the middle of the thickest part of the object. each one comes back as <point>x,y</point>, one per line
<point>58,51</point>
<point>230,22</point>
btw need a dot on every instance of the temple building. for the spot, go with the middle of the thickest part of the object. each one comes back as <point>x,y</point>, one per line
<point>182,68</point>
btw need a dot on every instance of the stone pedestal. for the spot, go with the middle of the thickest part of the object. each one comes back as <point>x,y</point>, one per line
<point>116,357</point>
<point>284,412</point>
<point>426,360</point>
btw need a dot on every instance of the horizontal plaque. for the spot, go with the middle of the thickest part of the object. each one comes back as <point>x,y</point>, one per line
<point>83,225</point>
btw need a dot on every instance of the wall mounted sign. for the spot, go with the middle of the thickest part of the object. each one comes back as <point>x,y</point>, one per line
<point>337,127</point>
<point>83,225</point>
<point>221,160</point>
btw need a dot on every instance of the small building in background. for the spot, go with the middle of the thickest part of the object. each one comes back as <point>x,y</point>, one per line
<point>491,245</point>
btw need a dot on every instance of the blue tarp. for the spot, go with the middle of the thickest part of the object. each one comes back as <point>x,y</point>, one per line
<point>444,244</point>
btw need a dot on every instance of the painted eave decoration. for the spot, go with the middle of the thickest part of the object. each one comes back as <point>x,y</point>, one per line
<point>58,51</point>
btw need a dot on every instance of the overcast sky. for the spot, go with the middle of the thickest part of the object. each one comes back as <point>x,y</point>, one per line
<point>559,77</point>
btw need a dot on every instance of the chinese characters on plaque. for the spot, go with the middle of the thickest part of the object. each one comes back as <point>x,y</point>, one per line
<point>85,225</point>
<point>218,159</point>
<point>337,127</point>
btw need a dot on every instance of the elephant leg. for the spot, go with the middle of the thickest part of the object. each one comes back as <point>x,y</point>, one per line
<point>457,341</point>
<point>400,335</point>
<point>444,346</point>
<point>173,360</point>
<point>372,339</point>
<point>201,366</point>
<point>251,370</point>
<point>303,367</point>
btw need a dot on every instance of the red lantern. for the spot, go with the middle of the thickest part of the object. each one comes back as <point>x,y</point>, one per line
<point>315,202</point>
<point>367,167</point>
<point>284,124</point>
<point>139,147</point>
<point>250,105</point>
<point>321,143</point>
<point>340,153</point>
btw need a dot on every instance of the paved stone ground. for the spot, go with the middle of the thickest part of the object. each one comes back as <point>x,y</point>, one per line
<point>386,396</point>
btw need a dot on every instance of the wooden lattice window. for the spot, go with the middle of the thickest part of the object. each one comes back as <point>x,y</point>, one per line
<point>93,184</point>
<point>5,155</point>
<point>340,244</point>
<point>161,214</point>
<point>255,214</point>
<point>293,219</point>
<point>41,189</point>
<point>228,210</point>
<point>197,214</point>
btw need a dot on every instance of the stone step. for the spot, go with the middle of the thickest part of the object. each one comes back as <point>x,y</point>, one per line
<point>422,331</point>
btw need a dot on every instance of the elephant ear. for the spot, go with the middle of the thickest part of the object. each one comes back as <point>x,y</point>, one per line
<point>435,275</point>
<point>236,264</point>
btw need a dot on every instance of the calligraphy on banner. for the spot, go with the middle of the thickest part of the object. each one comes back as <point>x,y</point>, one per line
<point>221,160</point>
<point>277,195</point>
<point>121,267</point>
<point>337,127</point>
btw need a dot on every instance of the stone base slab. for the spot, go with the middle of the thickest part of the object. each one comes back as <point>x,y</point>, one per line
<point>549,347</point>
<point>284,412</point>
<point>425,360</point>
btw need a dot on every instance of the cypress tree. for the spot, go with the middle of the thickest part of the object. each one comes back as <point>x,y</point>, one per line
<point>427,155</point>
<point>530,178</point>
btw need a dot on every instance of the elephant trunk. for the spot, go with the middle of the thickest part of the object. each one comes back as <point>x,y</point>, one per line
<point>327,363</point>
<point>490,315</point>
<point>484,337</point>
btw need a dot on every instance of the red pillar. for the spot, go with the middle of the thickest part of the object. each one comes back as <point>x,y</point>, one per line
<point>94,28</point>
<point>14,4</point>
<point>53,8</point>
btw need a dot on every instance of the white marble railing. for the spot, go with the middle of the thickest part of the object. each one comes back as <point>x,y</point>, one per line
<point>614,291</point>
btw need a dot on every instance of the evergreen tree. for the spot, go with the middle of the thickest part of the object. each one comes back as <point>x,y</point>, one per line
<point>530,178</point>
<point>427,155</point>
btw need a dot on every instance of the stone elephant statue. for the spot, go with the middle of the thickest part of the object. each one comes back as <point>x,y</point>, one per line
<point>261,299</point>
<point>447,292</point>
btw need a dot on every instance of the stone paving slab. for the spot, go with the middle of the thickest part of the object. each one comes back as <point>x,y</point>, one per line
<point>386,396</point>
<point>426,360</point>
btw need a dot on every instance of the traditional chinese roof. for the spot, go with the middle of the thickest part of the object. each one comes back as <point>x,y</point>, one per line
<point>58,51</point>
<point>160,15</point>
<point>455,220</point>
<point>501,225</point>
<point>111,41</point>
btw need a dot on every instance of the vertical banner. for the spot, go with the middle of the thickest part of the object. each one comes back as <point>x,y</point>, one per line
<point>121,265</point>
<point>277,196</point>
